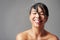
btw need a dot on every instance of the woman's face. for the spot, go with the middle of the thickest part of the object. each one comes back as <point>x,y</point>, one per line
<point>37,18</point>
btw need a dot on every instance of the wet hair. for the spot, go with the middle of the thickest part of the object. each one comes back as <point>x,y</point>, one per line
<point>42,6</point>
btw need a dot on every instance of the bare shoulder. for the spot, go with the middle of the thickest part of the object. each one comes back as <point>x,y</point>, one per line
<point>22,35</point>
<point>53,37</point>
<point>18,37</point>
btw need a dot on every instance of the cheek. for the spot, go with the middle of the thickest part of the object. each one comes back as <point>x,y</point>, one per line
<point>32,18</point>
<point>42,17</point>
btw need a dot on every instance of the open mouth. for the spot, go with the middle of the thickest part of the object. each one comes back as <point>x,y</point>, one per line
<point>38,21</point>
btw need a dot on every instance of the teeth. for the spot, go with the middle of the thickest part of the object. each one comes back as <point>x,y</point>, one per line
<point>36,21</point>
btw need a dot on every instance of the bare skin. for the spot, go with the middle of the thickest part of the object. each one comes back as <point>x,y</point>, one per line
<point>29,35</point>
<point>37,32</point>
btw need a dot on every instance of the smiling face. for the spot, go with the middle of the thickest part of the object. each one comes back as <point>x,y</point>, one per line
<point>37,18</point>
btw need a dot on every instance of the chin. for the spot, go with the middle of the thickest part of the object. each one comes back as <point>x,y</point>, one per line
<point>37,25</point>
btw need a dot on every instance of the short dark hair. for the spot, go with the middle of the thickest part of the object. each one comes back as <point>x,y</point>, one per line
<point>42,6</point>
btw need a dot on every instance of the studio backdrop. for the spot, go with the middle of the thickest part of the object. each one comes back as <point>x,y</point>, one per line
<point>14,17</point>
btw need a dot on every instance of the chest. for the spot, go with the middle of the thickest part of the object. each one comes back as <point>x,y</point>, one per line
<point>38,38</point>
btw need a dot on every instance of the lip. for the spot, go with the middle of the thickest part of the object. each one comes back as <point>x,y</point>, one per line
<point>37,21</point>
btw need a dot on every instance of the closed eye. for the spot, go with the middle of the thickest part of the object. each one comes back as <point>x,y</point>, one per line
<point>34,13</point>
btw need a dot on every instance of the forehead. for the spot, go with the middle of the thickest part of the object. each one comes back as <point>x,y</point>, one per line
<point>36,10</point>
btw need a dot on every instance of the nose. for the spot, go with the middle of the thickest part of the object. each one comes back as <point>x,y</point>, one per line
<point>37,15</point>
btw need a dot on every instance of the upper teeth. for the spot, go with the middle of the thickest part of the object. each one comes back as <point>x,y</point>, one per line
<point>36,21</point>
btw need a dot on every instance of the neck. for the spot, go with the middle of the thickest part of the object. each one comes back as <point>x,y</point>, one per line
<point>37,30</point>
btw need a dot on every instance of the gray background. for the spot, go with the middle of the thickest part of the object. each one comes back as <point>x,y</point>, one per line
<point>14,17</point>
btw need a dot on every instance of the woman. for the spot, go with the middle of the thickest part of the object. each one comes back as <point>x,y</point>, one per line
<point>38,16</point>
